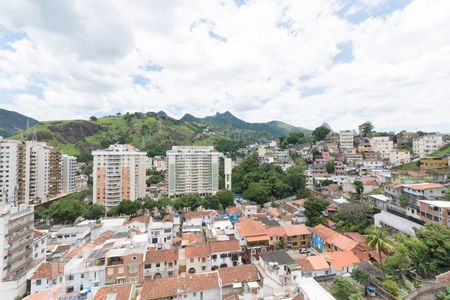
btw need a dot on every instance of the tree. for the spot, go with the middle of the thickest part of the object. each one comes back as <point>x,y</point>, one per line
<point>330,166</point>
<point>94,212</point>
<point>353,217</point>
<point>127,207</point>
<point>93,118</point>
<point>447,195</point>
<point>211,202</point>
<point>320,133</point>
<point>444,294</point>
<point>359,187</point>
<point>163,204</point>
<point>377,239</point>
<point>149,205</point>
<point>343,289</point>
<point>390,286</point>
<point>359,275</point>
<point>256,192</point>
<point>367,128</point>
<point>226,198</point>
<point>404,200</point>
<point>314,209</point>
<point>436,238</point>
<point>399,263</point>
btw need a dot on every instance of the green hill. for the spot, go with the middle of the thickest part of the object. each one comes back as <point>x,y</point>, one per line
<point>154,133</point>
<point>12,122</point>
<point>227,124</point>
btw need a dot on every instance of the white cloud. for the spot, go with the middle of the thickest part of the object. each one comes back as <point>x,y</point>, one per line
<point>217,56</point>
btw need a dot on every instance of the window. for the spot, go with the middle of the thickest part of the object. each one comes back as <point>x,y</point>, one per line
<point>158,265</point>
<point>38,282</point>
<point>192,259</point>
<point>82,275</point>
<point>203,268</point>
<point>147,266</point>
<point>121,270</point>
<point>203,259</point>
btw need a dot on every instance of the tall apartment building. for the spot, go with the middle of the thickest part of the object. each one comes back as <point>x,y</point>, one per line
<point>194,169</point>
<point>383,145</point>
<point>346,139</point>
<point>68,173</point>
<point>16,238</point>
<point>118,174</point>
<point>426,144</point>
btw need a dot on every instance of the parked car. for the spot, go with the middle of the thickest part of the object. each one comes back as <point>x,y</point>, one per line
<point>304,250</point>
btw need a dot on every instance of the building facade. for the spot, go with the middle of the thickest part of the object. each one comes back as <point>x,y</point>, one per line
<point>346,139</point>
<point>383,145</point>
<point>68,173</point>
<point>193,169</point>
<point>118,174</point>
<point>426,144</point>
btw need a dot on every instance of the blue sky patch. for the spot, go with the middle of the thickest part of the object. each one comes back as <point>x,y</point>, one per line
<point>362,12</point>
<point>9,36</point>
<point>345,54</point>
<point>140,80</point>
<point>151,67</point>
<point>308,92</point>
<point>216,36</point>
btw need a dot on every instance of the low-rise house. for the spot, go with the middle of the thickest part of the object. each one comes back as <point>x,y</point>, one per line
<point>379,201</point>
<point>241,279</point>
<point>298,236</point>
<point>221,229</point>
<point>198,259</point>
<point>39,245</point>
<point>372,164</point>
<point>248,208</point>
<point>140,223</point>
<point>75,235</point>
<point>204,216</point>
<point>46,276</point>
<point>434,163</point>
<point>124,265</point>
<point>117,292</point>
<point>252,236</point>
<point>369,184</point>
<point>160,233</point>
<point>277,237</point>
<point>394,191</point>
<point>325,239</point>
<point>225,254</point>
<point>192,286</point>
<point>429,191</point>
<point>309,289</point>
<point>399,157</point>
<point>435,212</point>
<point>279,265</point>
<point>161,264</point>
<point>233,213</point>
<point>328,263</point>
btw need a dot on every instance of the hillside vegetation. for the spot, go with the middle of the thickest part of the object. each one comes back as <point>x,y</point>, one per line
<point>12,122</point>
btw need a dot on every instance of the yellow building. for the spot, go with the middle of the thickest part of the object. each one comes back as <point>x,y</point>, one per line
<point>434,163</point>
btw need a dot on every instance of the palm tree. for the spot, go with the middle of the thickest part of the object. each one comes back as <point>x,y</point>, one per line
<point>377,239</point>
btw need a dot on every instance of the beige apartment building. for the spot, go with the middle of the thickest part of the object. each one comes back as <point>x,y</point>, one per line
<point>426,144</point>
<point>346,139</point>
<point>383,145</point>
<point>118,174</point>
<point>195,169</point>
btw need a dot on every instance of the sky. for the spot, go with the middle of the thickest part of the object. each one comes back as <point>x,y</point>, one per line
<point>302,62</point>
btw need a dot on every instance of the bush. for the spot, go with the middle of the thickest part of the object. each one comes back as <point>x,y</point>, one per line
<point>391,286</point>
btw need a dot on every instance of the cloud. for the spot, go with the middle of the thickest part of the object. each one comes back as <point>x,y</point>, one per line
<point>304,63</point>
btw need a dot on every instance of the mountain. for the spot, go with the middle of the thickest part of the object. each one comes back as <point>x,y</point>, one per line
<point>226,123</point>
<point>12,122</point>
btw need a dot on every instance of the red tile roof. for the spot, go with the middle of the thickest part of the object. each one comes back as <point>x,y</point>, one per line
<point>163,255</point>
<point>225,246</point>
<point>231,210</point>
<point>341,259</point>
<point>121,292</point>
<point>140,219</point>
<point>247,227</point>
<point>49,270</point>
<point>276,231</point>
<point>199,214</point>
<point>242,273</point>
<point>197,251</point>
<point>424,186</point>
<point>333,237</point>
<point>298,229</point>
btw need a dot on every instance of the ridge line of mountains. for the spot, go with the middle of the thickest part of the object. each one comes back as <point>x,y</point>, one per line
<point>152,132</point>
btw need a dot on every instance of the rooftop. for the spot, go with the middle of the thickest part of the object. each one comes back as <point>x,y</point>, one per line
<point>440,204</point>
<point>280,256</point>
<point>116,292</point>
<point>424,186</point>
<point>242,273</point>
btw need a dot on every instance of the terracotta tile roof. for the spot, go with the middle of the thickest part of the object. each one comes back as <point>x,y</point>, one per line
<point>37,233</point>
<point>273,211</point>
<point>330,223</point>
<point>231,210</point>
<point>197,251</point>
<point>276,231</point>
<point>168,287</point>
<point>369,181</point>
<point>318,262</point>
<point>242,273</point>
<point>121,291</point>
<point>247,227</point>
<point>199,214</point>
<point>49,270</point>
<point>297,229</point>
<point>163,255</point>
<point>102,238</point>
<point>289,208</point>
<point>341,259</point>
<point>140,219</point>
<point>74,252</point>
<point>225,246</point>
<point>62,248</point>
<point>424,186</point>
<point>356,236</point>
<point>231,297</point>
<point>168,218</point>
<point>258,238</point>
<point>299,202</point>
<point>333,237</point>
<point>190,238</point>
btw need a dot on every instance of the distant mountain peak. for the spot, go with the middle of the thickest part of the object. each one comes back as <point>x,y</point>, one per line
<point>326,125</point>
<point>162,113</point>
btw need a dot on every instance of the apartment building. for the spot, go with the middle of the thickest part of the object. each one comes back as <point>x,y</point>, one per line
<point>16,239</point>
<point>435,212</point>
<point>399,157</point>
<point>382,144</point>
<point>426,144</point>
<point>125,265</point>
<point>194,169</point>
<point>118,174</point>
<point>68,173</point>
<point>434,163</point>
<point>429,191</point>
<point>346,139</point>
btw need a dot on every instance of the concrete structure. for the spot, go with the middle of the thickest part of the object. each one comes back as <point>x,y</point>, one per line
<point>68,172</point>
<point>310,289</point>
<point>426,144</point>
<point>429,191</point>
<point>16,239</point>
<point>395,222</point>
<point>383,145</point>
<point>193,169</point>
<point>118,174</point>
<point>228,166</point>
<point>399,157</point>
<point>346,139</point>
<point>435,211</point>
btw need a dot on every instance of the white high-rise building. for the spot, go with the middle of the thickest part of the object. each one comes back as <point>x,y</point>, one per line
<point>69,173</point>
<point>426,144</point>
<point>228,166</point>
<point>118,174</point>
<point>383,145</point>
<point>16,238</point>
<point>346,139</point>
<point>193,169</point>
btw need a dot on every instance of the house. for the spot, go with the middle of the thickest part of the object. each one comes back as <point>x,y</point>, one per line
<point>369,184</point>
<point>190,239</point>
<point>298,236</point>
<point>140,223</point>
<point>160,233</point>
<point>277,237</point>
<point>244,278</point>
<point>252,236</point>
<point>75,235</point>
<point>279,265</point>
<point>46,276</point>
<point>434,163</point>
<point>379,201</point>
<point>233,213</point>
<point>192,286</point>
<point>309,289</point>
<point>204,216</point>
<point>399,157</point>
<point>221,229</point>
<point>394,191</point>
<point>124,265</point>
<point>273,212</point>
<point>326,239</point>
<point>225,254</point>
<point>198,259</point>
<point>328,263</point>
<point>435,211</point>
<point>248,208</point>
<point>161,263</point>
<point>117,292</point>
<point>39,245</point>
<point>428,191</point>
